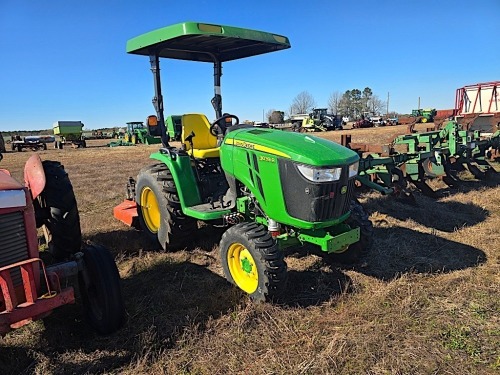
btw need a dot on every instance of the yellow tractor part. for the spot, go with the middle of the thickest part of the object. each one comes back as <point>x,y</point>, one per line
<point>150,210</point>
<point>242,268</point>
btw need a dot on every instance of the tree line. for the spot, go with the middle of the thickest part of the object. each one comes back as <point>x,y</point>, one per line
<point>352,103</point>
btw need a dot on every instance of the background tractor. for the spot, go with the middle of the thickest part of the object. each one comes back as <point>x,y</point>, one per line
<point>318,120</point>
<point>147,134</point>
<point>270,189</point>
<point>29,289</point>
<point>424,115</point>
<point>174,127</point>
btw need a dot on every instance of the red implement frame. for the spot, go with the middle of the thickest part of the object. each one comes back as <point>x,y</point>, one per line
<point>22,304</point>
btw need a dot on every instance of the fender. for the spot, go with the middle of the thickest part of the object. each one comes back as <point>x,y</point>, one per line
<point>34,176</point>
<point>183,175</point>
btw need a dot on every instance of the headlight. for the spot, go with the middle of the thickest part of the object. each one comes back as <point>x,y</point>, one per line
<point>320,174</point>
<point>353,169</point>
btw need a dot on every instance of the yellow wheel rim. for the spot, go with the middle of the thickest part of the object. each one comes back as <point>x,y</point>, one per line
<point>126,138</point>
<point>150,209</point>
<point>424,120</point>
<point>242,268</point>
<point>134,139</point>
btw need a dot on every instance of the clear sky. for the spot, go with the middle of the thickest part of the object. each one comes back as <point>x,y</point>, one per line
<point>66,60</point>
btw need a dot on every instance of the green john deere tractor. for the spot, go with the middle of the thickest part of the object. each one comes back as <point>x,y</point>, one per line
<point>271,189</point>
<point>148,134</point>
<point>425,115</point>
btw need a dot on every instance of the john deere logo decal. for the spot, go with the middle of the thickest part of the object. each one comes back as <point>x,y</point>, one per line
<point>343,190</point>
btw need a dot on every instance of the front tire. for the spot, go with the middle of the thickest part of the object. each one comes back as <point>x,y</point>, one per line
<point>100,290</point>
<point>159,209</point>
<point>58,212</point>
<point>252,260</point>
<point>358,219</point>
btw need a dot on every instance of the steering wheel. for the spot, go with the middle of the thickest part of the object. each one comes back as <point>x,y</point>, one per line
<point>221,123</point>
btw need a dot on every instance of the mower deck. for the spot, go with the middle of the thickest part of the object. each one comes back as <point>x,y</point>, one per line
<point>126,212</point>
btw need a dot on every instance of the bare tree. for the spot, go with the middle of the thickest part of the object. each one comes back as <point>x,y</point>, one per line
<point>375,104</point>
<point>269,113</point>
<point>302,103</point>
<point>334,102</point>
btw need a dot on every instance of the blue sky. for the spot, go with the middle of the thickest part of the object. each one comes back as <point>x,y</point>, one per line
<point>66,60</point>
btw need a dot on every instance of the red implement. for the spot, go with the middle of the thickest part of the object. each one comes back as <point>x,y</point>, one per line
<point>126,212</point>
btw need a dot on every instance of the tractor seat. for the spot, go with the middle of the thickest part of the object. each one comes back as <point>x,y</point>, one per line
<point>204,143</point>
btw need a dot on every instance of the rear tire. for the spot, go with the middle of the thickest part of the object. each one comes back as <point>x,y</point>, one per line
<point>358,219</point>
<point>59,212</point>
<point>100,290</point>
<point>159,209</point>
<point>252,260</point>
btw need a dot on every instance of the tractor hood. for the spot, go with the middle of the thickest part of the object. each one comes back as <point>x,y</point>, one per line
<point>12,193</point>
<point>7,182</point>
<point>299,147</point>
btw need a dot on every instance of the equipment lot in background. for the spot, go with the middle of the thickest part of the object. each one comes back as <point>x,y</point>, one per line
<point>425,299</point>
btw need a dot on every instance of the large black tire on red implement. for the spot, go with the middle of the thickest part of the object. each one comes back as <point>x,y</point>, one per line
<point>100,290</point>
<point>56,209</point>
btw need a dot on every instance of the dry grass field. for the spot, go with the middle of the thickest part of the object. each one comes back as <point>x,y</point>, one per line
<point>424,300</point>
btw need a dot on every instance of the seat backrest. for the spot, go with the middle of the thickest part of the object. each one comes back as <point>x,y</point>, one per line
<point>197,123</point>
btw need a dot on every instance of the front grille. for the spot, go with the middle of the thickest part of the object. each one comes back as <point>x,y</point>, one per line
<point>314,202</point>
<point>13,245</point>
